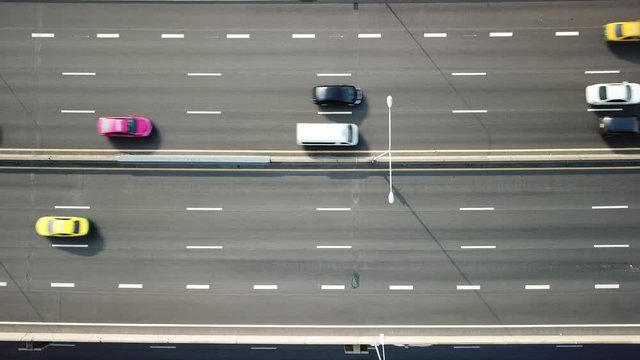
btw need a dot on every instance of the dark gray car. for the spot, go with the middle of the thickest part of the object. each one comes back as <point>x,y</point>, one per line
<point>618,125</point>
<point>337,95</point>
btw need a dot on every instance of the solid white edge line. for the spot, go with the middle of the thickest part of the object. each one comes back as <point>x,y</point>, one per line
<point>107,36</point>
<point>401,287</point>
<point>195,247</point>
<point>129,286</point>
<point>602,72</point>
<point>43,35</point>
<point>333,209</point>
<point>172,36</point>
<point>469,74</point>
<point>264,348</point>
<point>203,112</point>
<point>162,346</point>
<point>466,347</point>
<point>265,287</point>
<point>605,109</point>
<point>204,74</point>
<point>64,111</point>
<point>476,209</point>
<point>335,112</point>
<point>70,245</point>
<point>332,287</point>
<point>303,36</point>
<point>78,74</point>
<point>469,111</point>
<point>3,283</point>
<point>611,246</point>
<point>62,345</point>
<point>477,246</point>
<point>333,246</point>
<point>601,207</point>
<point>238,36</point>
<point>197,287</point>
<point>606,286</point>
<point>537,287</point>
<point>567,33</point>
<point>62,285</point>
<point>569,346</point>
<point>203,209</point>
<point>369,36</point>
<point>71,207</point>
<point>468,287</point>
<point>333,74</point>
<point>435,35</point>
<point>500,34</point>
<point>324,326</point>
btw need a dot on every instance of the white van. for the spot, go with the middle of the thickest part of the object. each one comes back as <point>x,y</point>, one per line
<point>327,134</point>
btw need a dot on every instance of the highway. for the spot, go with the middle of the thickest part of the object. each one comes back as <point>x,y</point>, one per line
<point>324,248</point>
<point>239,77</point>
<point>62,351</point>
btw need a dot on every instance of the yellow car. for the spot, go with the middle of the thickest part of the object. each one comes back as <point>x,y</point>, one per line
<point>622,31</point>
<point>62,226</point>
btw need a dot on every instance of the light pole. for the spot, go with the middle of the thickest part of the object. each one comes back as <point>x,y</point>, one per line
<point>389,104</point>
<point>391,198</point>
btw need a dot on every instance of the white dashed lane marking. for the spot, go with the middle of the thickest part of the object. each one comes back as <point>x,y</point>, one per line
<point>43,35</point>
<point>602,72</point>
<point>606,286</point>
<point>172,36</point>
<point>203,74</point>
<point>65,111</point>
<point>203,112</point>
<point>333,247</point>
<point>78,74</point>
<point>204,209</point>
<point>63,285</point>
<point>468,111</point>
<point>611,246</point>
<point>567,33</point>
<point>129,286</point>
<point>369,36</point>
<point>435,35</point>
<point>476,209</point>
<point>401,287</point>
<point>470,74</point>
<point>265,287</point>
<point>333,74</point>
<point>333,209</point>
<point>537,287</point>
<point>303,36</point>
<point>477,247</point>
<point>500,34</point>
<point>332,287</point>
<point>107,36</point>
<point>468,287</point>
<point>198,287</point>
<point>604,207</point>
<point>238,36</point>
<point>203,247</point>
<point>71,207</point>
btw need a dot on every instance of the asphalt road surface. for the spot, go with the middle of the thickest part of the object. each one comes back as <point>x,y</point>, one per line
<point>519,67</point>
<point>79,351</point>
<point>466,248</point>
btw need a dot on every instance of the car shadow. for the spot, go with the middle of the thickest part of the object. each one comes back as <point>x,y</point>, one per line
<point>319,152</point>
<point>358,112</point>
<point>94,239</point>
<point>628,51</point>
<point>151,142</point>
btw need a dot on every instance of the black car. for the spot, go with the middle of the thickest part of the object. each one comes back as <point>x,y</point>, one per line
<point>610,126</point>
<point>337,95</point>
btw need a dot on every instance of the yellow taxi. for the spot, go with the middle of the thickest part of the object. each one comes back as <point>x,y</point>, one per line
<point>622,31</point>
<point>62,226</point>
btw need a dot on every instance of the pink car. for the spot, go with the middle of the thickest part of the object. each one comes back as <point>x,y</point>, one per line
<point>124,126</point>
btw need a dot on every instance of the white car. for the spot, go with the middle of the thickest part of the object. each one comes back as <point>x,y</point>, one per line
<point>624,93</point>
